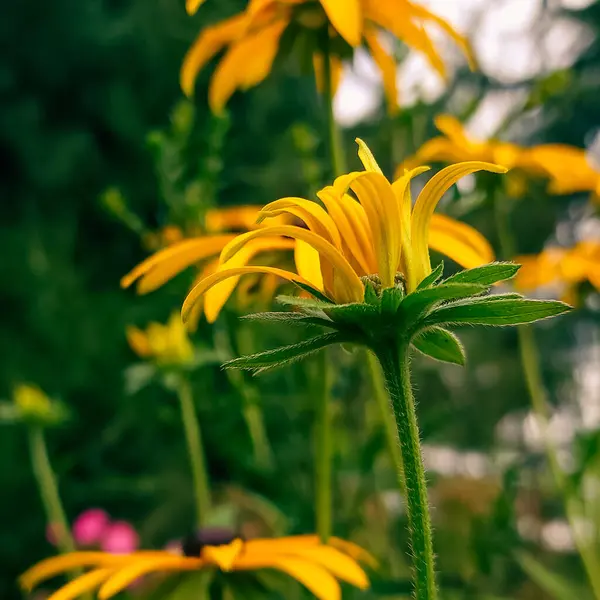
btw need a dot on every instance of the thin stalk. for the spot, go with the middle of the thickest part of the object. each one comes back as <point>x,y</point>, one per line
<point>387,418</point>
<point>394,359</point>
<point>530,364</point>
<point>46,480</point>
<point>323,452</point>
<point>195,450</point>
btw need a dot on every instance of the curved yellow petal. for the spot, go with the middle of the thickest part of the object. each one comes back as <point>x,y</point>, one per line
<point>428,199</point>
<point>204,285</point>
<point>388,67</point>
<point>138,341</point>
<point>192,6</point>
<point>460,242</point>
<point>210,41</point>
<point>142,566</point>
<point>360,224</point>
<point>232,218</point>
<point>346,17</point>
<point>452,128</point>
<point>166,263</point>
<point>354,551</point>
<point>366,157</point>
<point>223,556</point>
<point>347,285</point>
<point>81,585</point>
<point>246,64</point>
<point>308,263</point>
<point>216,297</point>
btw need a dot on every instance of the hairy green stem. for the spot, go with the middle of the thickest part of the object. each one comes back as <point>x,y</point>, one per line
<point>195,450</point>
<point>394,359</point>
<point>46,480</point>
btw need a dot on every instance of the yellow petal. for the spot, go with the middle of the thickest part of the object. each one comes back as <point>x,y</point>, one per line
<point>142,566</point>
<point>452,128</point>
<point>354,551</point>
<point>138,341</point>
<point>360,224</point>
<point>50,567</point>
<point>460,242</point>
<point>428,199</point>
<point>348,286</point>
<point>191,6</point>
<point>210,41</point>
<point>166,263</point>
<point>346,17</point>
<point>223,556</point>
<point>216,297</point>
<point>81,585</point>
<point>308,264</point>
<point>246,64</point>
<point>388,67</point>
<point>204,285</point>
<point>366,157</point>
<point>234,218</point>
<point>336,72</point>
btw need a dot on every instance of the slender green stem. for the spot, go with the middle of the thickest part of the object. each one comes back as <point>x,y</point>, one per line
<point>323,451</point>
<point>193,439</point>
<point>394,359</point>
<point>389,425</point>
<point>46,480</point>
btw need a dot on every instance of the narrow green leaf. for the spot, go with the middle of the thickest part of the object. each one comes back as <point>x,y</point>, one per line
<point>371,296</point>
<point>489,311</point>
<point>352,314</point>
<point>486,274</point>
<point>285,355</point>
<point>440,344</point>
<point>433,277</point>
<point>314,292</point>
<point>390,300</point>
<point>302,302</point>
<point>289,318</point>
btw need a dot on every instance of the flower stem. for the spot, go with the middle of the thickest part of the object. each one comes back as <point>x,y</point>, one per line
<point>394,359</point>
<point>389,425</point>
<point>323,451</point>
<point>46,480</point>
<point>193,439</point>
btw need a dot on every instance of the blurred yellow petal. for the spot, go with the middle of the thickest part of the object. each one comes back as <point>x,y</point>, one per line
<point>191,6</point>
<point>210,41</point>
<point>246,64</point>
<point>538,269</point>
<point>232,218</point>
<point>81,585</point>
<point>223,556</point>
<point>346,17</point>
<point>165,264</point>
<point>138,341</point>
<point>453,129</point>
<point>336,72</point>
<point>428,199</point>
<point>218,295</point>
<point>354,551</point>
<point>388,67</point>
<point>308,263</point>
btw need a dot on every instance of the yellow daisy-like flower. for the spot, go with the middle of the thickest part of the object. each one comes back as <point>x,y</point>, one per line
<point>203,250</point>
<point>167,344</point>
<point>377,232</point>
<point>317,566</point>
<point>252,40</point>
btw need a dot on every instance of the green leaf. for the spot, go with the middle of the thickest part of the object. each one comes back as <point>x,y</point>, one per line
<point>314,292</point>
<point>390,300</point>
<point>356,313</point>
<point>441,345</point>
<point>433,277</point>
<point>302,302</point>
<point>491,311</point>
<point>289,318</point>
<point>486,274</point>
<point>371,296</point>
<point>285,355</point>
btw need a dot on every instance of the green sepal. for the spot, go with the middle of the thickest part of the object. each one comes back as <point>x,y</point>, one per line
<point>314,292</point>
<point>269,359</point>
<point>499,312</point>
<point>432,278</point>
<point>371,296</point>
<point>486,274</point>
<point>440,344</point>
<point>390,300</point>
<point>303,303</point>
<point>356,313</point>
<point>290,318</point>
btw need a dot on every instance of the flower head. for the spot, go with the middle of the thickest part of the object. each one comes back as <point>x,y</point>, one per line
<point>317,566</point>
<point>376,233</point>
<point>34,406</point>
<point>252,39</point>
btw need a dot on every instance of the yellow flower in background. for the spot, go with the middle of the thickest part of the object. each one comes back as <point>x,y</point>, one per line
<point>377,232</point>
<point>203,251</point>
<point>251,40</point>
<point>166,344</point>
<point>317,566</point>
<point>562,267</point>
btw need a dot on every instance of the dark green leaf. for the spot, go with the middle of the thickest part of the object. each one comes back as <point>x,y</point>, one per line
<point>279,357</point>
<point>390,300</point>
<point>302,302</point>
<point>352,314</point>
<point>314,292</point>
<point>486,274</point>
<point>490,311</point>
<point>441,345</point>
<point>289,318</point>
<point>433,277</point>
<point>371,296</point>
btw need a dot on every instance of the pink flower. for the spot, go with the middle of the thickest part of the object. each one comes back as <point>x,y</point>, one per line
<point>90,527</point>
<point>119,538</point>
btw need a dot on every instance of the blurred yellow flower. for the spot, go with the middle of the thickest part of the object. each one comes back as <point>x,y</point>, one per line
<point>252,40</point>
<point>34,406</point>
<point>377,234</point>
<point>562,267</point>
<point>166,344</point>
<point>203,250</point>
<point>317,566</point>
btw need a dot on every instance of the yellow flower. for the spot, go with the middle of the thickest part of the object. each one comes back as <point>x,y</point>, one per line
<point>251,40</point>
<point>564,267</point>
<point>377,234</point>
<point>317,566</point>
<point>204,250</point>
<point>34,406</point>
<point>166,344</point>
